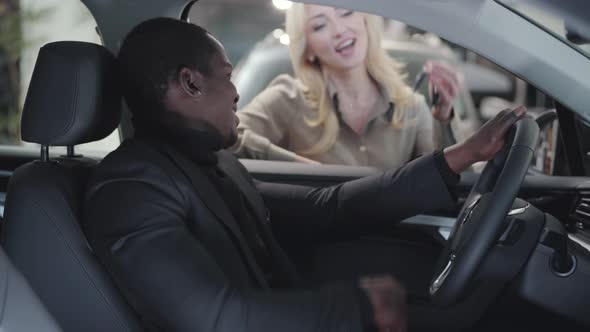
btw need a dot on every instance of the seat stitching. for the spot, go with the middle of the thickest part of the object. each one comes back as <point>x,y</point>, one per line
<point>75,256</point>
<point>73,113</point>
<point>5,292</point>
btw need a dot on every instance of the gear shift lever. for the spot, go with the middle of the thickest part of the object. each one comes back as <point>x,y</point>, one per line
<point>554,235</point>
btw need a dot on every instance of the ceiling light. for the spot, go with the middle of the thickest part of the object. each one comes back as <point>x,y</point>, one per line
<point>284,39</point>
<point>282,4</point>
<point>277,33</point>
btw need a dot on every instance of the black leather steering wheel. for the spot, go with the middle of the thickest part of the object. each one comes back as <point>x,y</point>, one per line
<point>482,217</point>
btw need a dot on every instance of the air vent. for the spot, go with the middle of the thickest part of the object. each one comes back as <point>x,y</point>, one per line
<point>581,213</point>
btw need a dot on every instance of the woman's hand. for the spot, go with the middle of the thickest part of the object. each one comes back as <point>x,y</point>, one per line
<point>446,82</point>
<point>302,159</point>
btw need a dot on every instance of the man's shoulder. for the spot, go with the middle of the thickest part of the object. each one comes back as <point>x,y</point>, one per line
<point>133,161</point>
<point>130,153</point>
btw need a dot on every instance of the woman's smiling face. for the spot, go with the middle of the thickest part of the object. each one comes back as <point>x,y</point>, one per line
<point>336,37</point>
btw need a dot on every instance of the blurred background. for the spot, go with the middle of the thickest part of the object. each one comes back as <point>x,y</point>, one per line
<point>252,32</point>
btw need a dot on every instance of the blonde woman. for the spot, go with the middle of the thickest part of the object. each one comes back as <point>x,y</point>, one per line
<point>348,104</point>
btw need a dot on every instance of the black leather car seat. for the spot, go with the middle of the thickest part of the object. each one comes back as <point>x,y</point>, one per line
<point>73,98</point>
<point>20,308</point>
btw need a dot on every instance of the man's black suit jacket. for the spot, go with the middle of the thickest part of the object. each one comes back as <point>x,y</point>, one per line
<point>173,248</point>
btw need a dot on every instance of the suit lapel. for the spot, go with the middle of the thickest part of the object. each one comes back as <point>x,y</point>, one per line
<point>210,196</point>
<point>227,164</point>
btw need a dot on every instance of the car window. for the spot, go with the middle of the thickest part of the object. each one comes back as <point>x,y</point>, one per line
<point>259,50</point>
<point>25,27</point>
<point>544,157</point>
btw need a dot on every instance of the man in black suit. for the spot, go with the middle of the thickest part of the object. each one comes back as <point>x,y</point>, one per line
<point>185,232</point>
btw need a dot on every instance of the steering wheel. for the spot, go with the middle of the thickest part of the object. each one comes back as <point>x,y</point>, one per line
<point>482,216</point>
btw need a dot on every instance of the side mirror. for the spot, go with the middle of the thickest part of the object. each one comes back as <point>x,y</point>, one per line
<point>545,151</point>
<point>546,118</point>
<point>577,35</point>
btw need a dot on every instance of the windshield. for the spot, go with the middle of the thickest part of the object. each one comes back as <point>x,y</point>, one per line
<point>559,21</point>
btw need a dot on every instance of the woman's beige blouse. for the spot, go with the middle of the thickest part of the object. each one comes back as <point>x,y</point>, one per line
<point>273,127</point>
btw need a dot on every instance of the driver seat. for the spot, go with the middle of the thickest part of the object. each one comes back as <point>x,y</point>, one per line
<point>73,98</point>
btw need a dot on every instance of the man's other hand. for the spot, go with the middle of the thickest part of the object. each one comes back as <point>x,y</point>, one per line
<point>485,143</point>
<point>388,299</point>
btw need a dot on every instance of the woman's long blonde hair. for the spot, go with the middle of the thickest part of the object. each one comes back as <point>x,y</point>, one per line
<point>381,67</point>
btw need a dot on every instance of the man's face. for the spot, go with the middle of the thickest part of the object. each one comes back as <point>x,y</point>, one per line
<point>216,102</point>
<point>220,98</point>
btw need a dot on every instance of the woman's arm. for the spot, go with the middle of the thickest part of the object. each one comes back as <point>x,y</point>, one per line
<point>260,134</point>
<point>431,134</point>
<point>265,123</point>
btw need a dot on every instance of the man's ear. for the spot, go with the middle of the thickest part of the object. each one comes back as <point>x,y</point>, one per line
<point>191,82</point>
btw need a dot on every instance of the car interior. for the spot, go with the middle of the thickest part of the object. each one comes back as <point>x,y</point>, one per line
<point>21,308</point>
<point>41,231</point>
<point>526,265</point>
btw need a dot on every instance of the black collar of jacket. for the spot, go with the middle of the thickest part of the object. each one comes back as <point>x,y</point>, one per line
<point>200,145</point>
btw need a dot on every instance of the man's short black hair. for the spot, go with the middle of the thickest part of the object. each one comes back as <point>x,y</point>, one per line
<point>152,55</point>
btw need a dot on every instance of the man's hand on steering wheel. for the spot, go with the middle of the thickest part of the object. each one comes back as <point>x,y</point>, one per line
<point>484,213</point>
<point>484,143</point>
